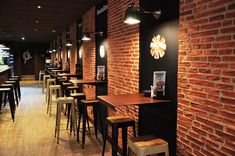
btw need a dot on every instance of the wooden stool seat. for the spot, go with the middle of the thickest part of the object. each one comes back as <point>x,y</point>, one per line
<point>117,122</point>
<point>73,87</point>
<point>90,102</point>
<point>77,94</point>
<point>83,112</point>
<point>147,145</point>
<point>119,119</point>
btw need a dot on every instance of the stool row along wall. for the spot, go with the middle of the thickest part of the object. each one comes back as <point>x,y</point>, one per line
<point>206,70</point>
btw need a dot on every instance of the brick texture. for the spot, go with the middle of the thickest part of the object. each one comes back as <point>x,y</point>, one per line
<point>64,52</point>
<point>123,56</point>
<point>206,83</point>
<point>73,48</point>
<point>88,47</point>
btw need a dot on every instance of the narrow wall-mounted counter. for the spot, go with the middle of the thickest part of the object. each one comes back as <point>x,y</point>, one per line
<point>4,73</point>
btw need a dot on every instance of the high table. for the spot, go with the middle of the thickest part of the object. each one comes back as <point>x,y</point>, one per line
<point>87,82</point>
<point>93,83</point>
<point>114,101</point>
<point>69,75</point>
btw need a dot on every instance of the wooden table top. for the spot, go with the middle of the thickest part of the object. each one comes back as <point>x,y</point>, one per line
<point>57,70</point>
<point>89,82</point>
<point>114,101</point>
<point>69,74</point>
<point>52,68</point>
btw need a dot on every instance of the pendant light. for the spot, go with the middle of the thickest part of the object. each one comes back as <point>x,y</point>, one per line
<point>132,14</point>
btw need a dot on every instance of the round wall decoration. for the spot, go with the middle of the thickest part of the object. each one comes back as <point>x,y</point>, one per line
<point>158,47</point>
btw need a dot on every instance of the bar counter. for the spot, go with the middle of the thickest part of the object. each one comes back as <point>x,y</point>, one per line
<point>4,73</point>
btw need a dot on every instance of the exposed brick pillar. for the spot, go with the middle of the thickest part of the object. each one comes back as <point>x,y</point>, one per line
<point>64,52</point>
<point>73,48</point>
<point>206,78</point>
<point>123,56</point>
<point>88,47</point>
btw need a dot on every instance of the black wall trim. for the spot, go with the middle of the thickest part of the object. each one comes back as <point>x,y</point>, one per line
<point>159,119</point>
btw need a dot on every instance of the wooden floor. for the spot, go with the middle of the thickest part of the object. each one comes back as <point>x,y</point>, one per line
<point>32,133</point>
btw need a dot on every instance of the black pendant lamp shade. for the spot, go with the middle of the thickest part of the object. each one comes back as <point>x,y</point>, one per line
<point>86,36</point>
<point>69,43</point>
<point>132,15</point>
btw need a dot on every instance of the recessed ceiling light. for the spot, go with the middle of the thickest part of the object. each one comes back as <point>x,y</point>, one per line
<point>53,31</point>
<point>37,21</point>
<point>39,7</point>
<point>23,38</point>
<point>35,29</point>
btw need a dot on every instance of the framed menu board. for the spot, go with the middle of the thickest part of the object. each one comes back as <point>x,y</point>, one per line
<point>100,72</point>
<point>159,81</point>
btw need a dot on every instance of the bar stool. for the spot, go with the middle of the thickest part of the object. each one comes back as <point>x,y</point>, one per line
<point>14,90</point>
<point>45,77</point>
<point>78,97</point>
<point>49,82</point>
<point>84,103</point>
<point>40,76</point>
<point>11,86</point>
<point>10,94</point>
<point>64,87</point>
<point>147,145</point>
<point>72,89</point>
<point>52,89</point>
<point>18,84</point>
<point>60,102</point>
<point>118,122</point>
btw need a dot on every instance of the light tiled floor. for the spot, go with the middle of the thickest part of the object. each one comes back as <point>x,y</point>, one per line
<point>32,133</point>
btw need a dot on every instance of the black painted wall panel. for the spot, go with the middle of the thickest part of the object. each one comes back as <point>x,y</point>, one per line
<point>159,119</point>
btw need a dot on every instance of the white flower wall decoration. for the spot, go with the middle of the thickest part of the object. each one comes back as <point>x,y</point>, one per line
<point>158,47</point>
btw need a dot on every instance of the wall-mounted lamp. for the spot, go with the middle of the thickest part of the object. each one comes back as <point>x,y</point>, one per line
<point>102,51</point>
<point>69,43</point>
<point>87,37</point>
<point>132,14</point>
<point>80,53</point>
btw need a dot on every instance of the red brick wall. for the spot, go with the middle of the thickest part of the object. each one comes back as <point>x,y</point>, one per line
<point>73,48</point>
<point>58,49</point>
<point>123,55</point>
<point>64,52</point>
<point>206,78</point>
<point>88,47</point>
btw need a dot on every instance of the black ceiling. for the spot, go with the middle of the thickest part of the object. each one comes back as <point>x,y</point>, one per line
<point>18,18</point>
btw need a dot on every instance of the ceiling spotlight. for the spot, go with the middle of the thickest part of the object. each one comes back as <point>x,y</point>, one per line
<point>23,38</point>
<point>39,7</point>
<point>35,29</point>
<point>53,31</point>
<point>37,21</point>
<point>132,14</point>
